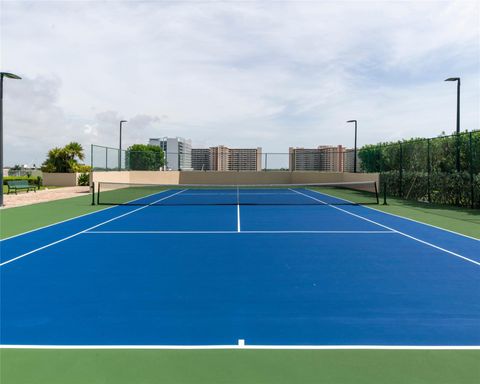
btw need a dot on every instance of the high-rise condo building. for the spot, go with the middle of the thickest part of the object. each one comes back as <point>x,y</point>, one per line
<point>178,152</point>
<point>201,159</point>
<point>348,162</point>
<point>325,158</point>
<point>222,158</point>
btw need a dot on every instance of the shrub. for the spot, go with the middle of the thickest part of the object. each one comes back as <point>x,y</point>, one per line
<point>83,179</point>
<point>31,180</point>
<point>82,168</point>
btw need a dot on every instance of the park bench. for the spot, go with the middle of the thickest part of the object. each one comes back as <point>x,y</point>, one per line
<point>18,185</point>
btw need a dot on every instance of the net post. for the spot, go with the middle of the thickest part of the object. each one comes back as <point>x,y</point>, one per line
<point>472,188</point>
<point>429,172</point>
<point>98,194</point>
<point>400,170</point>
<point>93,192</point>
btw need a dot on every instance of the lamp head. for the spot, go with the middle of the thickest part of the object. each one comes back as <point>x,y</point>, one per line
<point>10,75</point>
<point>351,121</point>
<point>453,79</point>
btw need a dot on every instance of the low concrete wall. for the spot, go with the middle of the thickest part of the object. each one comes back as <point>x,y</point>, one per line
<point>300,177</point>
<point>230,177</point>
<point>154,177</point>
<point>112,177</point>
<point>361,177</point>
<point>60,179</point>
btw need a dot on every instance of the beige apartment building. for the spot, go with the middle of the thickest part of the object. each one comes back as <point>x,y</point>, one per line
<point>348,165</point>
<point>219,158</point>
<point>222,158</point>
<point>325,158</point>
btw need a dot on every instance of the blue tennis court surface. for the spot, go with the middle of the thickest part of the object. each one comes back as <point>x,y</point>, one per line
<point>306,273</point>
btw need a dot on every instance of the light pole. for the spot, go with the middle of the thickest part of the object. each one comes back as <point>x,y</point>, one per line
<point>457,79</point>
<point>8,76</point>
<point>120,146</point>
<point>355,148</point>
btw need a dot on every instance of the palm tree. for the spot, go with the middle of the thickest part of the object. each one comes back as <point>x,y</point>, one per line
<point>74,150</point>
<point>63,159</point>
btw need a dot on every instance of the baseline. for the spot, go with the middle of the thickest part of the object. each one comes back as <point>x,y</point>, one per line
<point>249,346</point>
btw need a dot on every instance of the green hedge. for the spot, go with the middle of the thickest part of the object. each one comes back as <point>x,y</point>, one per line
<point>426,169</point>
<point>439,188</point>
<point>31,180</point>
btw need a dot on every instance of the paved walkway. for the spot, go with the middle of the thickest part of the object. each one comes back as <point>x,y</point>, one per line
<point>24,198</point>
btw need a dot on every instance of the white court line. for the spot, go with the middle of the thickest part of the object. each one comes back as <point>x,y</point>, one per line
<point>88,229</point>
<point>238,218</point>
<point>58,222</point>
<point>401,217</point>
<point>392,229</point>
<point>231,232</point>
<point>249,346</point>
<point>234,193</point>
<point>77,217</point>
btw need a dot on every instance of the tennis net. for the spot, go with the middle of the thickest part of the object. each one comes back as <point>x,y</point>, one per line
<point>344,193</point>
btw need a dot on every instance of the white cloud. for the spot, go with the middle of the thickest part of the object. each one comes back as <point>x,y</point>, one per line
<point>237,73</point>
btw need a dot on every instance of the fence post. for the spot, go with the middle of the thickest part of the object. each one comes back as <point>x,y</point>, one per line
<point>384,193</point>
<point>106,159</point>
<point>400,175</point>
<point>429,170</point>
<point>472,189</point>
<point>266,161</point>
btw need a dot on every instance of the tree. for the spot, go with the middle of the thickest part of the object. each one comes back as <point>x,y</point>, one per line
<point>141,157</point>
<point>64,160</point>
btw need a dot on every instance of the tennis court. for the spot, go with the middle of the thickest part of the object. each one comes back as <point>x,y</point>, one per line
<point>283,267</point>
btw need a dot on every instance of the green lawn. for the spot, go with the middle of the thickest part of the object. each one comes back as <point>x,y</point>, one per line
<point>21,219</point>
<point>237,366</point>
<point>461,220</point>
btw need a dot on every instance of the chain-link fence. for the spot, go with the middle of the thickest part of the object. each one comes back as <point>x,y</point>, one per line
<point>113,159</point>
<point>299,159</point>
<point>443,170</point>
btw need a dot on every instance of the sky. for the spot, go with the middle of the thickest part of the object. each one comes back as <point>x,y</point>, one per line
<point>270,74</point>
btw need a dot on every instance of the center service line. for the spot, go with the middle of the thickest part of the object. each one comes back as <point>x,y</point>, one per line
<point>238,218</point>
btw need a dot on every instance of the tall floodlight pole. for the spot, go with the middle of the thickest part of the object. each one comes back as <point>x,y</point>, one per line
<point>457,79</point>
<point>120,146</point>
<point>8,76</point>
<point>355,147</point>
